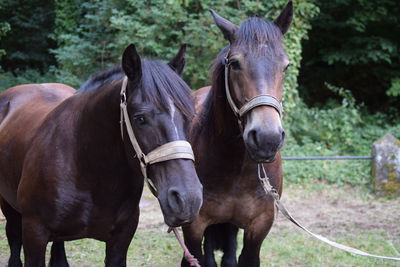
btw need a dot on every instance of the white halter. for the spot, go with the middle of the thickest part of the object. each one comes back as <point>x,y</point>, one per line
<point>173,150</point>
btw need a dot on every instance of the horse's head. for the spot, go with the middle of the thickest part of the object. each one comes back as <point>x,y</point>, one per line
<point>160,109</point>
<point>255,65</point>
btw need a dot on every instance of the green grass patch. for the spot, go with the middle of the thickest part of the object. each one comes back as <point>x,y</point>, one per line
<point>147,248</point>
<point>291,247</point>
<point>354,172</point>
<point>286,245</point>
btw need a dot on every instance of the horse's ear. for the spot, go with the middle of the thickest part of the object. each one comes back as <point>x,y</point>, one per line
<point>228,28</point>
<point>284,20</point>
<point>131,64</point>
<point>179,60</point>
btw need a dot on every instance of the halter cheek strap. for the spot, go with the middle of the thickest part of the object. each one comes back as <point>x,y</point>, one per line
<point>173,150</point>
<point>260,100</point>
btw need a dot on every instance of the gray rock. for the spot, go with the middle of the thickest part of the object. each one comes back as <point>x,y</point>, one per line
<point>386,166</point>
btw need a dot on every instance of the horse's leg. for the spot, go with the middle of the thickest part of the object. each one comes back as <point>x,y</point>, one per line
<point>14,233</point>
<point>117,246</point>
<point>209,246</point>
<point>193,234</point>
<point>230,244</point>
<point>57,255</point>
<point>220,236</point>
<point>34,239</point>
<point>254,235</point>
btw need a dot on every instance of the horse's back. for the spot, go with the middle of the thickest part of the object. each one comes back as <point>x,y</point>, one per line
<point>200,96</point>
<point>32,97</point>
<point>22,110</point>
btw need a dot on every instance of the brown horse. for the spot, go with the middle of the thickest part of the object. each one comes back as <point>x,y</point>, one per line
<point>65,171</point>
<point>238,125</point>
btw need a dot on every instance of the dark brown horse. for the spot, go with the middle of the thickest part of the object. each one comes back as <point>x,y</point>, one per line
<point>65,171</point>
<point>229,145</point>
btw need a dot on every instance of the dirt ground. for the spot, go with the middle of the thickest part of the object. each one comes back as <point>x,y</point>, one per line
<point>326,210</point>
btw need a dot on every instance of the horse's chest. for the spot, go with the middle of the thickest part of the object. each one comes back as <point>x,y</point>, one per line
<point>238,203</point>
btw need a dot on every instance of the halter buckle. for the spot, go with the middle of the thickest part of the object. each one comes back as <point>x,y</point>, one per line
<point>123,98</point>
<point>226,60</point>
<point>142,159</point>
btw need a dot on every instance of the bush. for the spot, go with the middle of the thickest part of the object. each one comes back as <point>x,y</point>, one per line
<point>339,129</point>
<point>92,35</point>
<point>354,44</point>
<point>9,79</point>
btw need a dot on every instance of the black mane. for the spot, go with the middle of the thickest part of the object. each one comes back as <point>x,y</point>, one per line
<point>103,77</point>
<point>158,84</point>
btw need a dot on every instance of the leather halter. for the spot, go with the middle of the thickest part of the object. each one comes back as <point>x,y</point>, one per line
<point>260,100</point>
<point>173,150</point>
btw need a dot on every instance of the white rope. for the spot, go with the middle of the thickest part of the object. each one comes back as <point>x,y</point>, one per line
<point>271,191</point>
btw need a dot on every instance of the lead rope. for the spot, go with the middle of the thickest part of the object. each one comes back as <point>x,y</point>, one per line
<point>269,190</point>
<point>189,257</point>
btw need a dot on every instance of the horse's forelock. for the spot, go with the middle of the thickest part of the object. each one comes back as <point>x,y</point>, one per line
<point>255,32</point>
<point>160,85</point>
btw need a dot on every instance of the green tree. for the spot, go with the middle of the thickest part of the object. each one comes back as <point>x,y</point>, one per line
<point>4,28</point>
<point>354,44</point>
<point>85,38</point>
<point>92,35</point>
<point>27,41</point>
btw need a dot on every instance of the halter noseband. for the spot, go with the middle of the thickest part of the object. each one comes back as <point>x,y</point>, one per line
<point>260,100</point>
<point>173,150</point>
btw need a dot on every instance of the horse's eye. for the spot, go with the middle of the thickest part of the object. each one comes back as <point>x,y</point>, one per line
<point>139,120</point>
<point>235,65</point>
<point>287,66</point>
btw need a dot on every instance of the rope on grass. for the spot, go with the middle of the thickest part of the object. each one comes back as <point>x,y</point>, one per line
<point>189,257</point>
<point>269,190</point>
<point>328,158</point>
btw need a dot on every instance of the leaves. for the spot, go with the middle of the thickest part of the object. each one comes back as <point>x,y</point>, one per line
<point>104,28</point>
<point>28,26</point>
<point>355,44</point>
<point>394,90</point>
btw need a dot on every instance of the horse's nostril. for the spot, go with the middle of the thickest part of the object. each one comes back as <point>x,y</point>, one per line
<point>175,200</point>
<point>283,135</point>
<point>253,137</point>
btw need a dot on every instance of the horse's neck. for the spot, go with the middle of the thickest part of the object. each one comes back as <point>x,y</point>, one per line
<point>99,127</point>
<point>217,137</point>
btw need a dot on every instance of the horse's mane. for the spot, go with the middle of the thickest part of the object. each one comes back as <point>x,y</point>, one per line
<point>159,84</point>
<point>256,36</point>
<point>103,77</point>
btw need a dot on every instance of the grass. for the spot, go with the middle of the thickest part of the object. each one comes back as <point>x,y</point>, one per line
<point>286,245</point>
<point>290,247</point>
<point>147,249</point>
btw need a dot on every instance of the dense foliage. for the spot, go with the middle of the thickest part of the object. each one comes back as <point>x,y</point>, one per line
<point>350,67</point>
<point>352,50</point>
<point>27,27</point>
<point>354,44</point>
<point>4,28</point>
<point>91,35</point>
